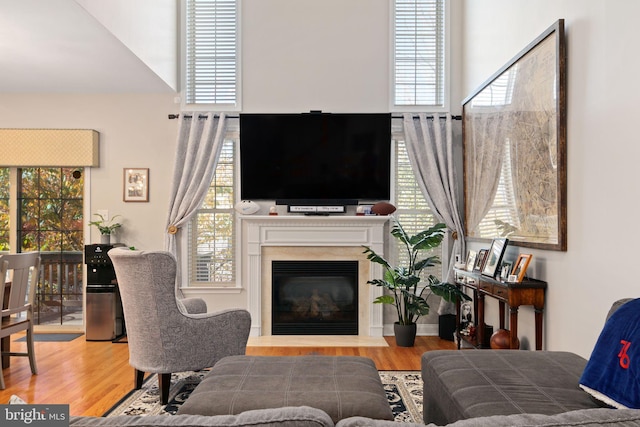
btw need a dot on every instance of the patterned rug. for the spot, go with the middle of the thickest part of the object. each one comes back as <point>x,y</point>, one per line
<point>404,392</point>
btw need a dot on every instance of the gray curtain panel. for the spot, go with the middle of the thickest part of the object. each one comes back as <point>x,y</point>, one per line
<point>199,143</point>
<point>430,149</point>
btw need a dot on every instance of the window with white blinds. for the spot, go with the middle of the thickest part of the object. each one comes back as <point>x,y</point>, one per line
<point>211,63</point>
<point>419,53</point>
<point>412,210</point>
<point>212,229</point>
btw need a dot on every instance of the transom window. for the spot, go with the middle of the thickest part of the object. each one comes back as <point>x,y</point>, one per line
<point>419,53</point>
<point>211,61</point>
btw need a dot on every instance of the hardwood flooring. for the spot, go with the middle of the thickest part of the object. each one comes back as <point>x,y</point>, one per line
<point>92,376</point>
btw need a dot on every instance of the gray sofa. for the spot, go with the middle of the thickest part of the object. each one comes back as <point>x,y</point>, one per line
<point>465,388</point>
<point>311,417</point>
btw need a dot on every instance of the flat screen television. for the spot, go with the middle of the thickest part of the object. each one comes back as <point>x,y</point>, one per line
<point>315,158</point>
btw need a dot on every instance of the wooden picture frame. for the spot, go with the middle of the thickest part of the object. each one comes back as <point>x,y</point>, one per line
<point>482,254</point>
<point>515,131</point>
<point>520,267</point>
<point>494,257</point>
<point>135,186</point>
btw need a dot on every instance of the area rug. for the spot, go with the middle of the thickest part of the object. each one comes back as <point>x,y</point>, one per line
<point>51,337</point>
<point>404,392</point>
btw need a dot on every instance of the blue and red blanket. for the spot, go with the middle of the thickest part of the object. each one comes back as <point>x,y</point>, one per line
<point>612,374</point>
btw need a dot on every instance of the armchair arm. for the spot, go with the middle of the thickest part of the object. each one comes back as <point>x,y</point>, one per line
<point>193,305</point>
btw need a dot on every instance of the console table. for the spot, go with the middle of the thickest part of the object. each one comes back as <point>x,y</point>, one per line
<point>527,292</point>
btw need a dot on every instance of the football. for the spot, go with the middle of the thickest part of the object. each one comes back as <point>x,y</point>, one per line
<point>383,208</point>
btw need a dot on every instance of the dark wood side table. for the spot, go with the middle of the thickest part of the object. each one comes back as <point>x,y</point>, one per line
<point>528,292</point>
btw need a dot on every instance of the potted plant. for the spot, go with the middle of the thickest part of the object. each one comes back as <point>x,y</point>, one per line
<point>403,283</point>
<point>106,227</point>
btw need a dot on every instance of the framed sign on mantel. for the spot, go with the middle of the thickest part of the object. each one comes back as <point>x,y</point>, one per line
<point>515,143</point>
<point>136,185</point>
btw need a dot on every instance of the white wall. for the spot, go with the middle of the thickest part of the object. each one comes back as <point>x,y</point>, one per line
<point>602,151</point>
<point>301,55</point>
<point>134,132</point>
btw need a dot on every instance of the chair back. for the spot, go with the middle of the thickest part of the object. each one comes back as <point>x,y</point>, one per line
<point>22,271</point>
<point>146,280</point>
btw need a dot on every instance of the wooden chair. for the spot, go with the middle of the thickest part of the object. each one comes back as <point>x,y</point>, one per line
<point>17,308</point>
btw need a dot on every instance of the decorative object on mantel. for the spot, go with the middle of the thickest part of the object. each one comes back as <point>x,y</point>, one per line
<point>106,227</point>
<point>403,282</point>
<point>246,207</point>
<point>136,185</point>
<point>273,210</point>
<point>383,208</point>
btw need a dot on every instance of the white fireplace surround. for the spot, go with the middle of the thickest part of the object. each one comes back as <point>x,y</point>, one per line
<point>265,238</point>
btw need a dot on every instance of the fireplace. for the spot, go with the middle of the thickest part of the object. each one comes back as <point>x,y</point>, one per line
<point>314,298</point>
<point>266,239</point>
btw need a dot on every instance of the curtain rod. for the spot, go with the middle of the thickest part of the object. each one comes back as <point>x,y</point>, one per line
<point>187,116</point>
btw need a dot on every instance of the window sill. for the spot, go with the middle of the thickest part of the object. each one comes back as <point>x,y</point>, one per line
<point>199,290</point>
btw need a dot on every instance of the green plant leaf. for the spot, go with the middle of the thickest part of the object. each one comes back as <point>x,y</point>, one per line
<point>385,299</point>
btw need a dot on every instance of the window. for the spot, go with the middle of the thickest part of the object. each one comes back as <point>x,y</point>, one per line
<point>211,62</point>
<point>4,209</point>
<point>419,53</point>
<point>212,230</point>
<point>412,210</point>
<point>48,206</point>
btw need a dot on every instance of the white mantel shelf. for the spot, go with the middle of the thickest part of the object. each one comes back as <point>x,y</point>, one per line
<point>260,231</point>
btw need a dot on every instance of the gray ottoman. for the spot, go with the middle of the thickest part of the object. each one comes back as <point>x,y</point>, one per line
<point>461,384</point>
<point>342,386</point>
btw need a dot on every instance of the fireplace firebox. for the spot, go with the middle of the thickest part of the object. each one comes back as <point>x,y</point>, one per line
<point>314,298</point>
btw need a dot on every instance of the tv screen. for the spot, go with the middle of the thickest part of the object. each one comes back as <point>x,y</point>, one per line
<point>315,158</point>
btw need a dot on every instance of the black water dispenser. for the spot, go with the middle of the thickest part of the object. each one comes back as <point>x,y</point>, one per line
<point>105,321</point>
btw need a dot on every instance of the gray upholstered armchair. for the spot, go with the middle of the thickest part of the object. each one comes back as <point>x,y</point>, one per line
<point>163,336</point>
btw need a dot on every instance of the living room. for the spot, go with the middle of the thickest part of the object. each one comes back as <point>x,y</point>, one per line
<point>294,62</point>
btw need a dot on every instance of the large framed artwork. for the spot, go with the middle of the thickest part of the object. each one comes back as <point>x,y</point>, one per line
<point>514,131</point>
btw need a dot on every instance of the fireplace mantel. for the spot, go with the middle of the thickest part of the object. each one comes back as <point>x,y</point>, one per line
<point>259,232</point>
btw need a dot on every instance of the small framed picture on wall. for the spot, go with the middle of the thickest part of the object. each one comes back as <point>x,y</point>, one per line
<point>136,185</point>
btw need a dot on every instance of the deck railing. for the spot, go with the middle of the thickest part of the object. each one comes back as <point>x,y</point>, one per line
<point>60,289</point>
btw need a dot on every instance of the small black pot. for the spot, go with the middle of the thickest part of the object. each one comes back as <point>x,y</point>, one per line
<point>405,334</point>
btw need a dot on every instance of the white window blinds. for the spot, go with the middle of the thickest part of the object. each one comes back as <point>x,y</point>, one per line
<point>211,52</point>
<point>419,52</point>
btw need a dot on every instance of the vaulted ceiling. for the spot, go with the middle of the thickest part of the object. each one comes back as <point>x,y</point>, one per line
<point>88,46</point>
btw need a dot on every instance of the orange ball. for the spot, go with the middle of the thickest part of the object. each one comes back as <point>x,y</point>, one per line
<point>501,340</point>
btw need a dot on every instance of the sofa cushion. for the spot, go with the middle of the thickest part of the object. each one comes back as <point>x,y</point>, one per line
<point>580,418</point>
<point>287,417</point>
<point>342,386</point>
<point>461,384</point>
<point>610,375</point>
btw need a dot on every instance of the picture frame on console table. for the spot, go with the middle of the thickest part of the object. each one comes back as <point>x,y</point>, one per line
<point>520,268</point>
<point>482,254</point>
<point>471,260</point>
<point>494,257</point>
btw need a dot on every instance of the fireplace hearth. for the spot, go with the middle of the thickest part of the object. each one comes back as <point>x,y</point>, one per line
<point>314,298</point>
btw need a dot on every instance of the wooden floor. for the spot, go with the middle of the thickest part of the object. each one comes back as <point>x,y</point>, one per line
<point>92,376</point>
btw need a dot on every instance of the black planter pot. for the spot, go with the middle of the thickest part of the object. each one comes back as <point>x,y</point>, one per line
<point>405,334</point>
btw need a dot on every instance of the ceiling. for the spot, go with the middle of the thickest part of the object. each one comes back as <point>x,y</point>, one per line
<point>56,46</point>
